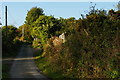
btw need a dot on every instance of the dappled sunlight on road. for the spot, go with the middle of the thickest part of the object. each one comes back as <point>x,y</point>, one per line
<point>10,59</point>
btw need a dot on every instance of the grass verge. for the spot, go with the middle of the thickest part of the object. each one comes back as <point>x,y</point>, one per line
<point>44,65</point>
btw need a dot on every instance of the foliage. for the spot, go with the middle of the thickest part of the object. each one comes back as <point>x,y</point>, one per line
<point>92,46</point>
<point>33,15</point>
<point>5,69</point>
<point>27,32</point>
<point>10,41</point>
<point>44,28</point>
<point>118,5</point>
<point>91,51</point>
<point>68,25</point>
<point>37,44</point>
<point>11,34</point>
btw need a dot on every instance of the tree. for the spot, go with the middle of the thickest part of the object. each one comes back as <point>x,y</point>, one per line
<point>11,34</point>
<point>33,14</point>
<point>92,8</point>
<point>45,27</point>
<point>27,32</point>
<point>118,5</point>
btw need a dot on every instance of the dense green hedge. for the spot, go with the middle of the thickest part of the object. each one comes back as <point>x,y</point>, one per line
<point>92,46</point>
<point>9,42</point>
<point>91,51</point>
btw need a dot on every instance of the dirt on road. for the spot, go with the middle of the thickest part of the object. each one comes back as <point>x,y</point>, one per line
<point>24,66</point>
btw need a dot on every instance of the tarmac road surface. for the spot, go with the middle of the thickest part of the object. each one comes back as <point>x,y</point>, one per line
<point>24,66</point>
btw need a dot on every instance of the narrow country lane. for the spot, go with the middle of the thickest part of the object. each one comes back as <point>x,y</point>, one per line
<point>24,66</point>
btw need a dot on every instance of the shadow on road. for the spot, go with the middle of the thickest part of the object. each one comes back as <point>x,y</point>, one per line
<point>23,65</point>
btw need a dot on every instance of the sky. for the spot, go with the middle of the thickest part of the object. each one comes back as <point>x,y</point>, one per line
<point>59,0</point>
<point>17,11</point>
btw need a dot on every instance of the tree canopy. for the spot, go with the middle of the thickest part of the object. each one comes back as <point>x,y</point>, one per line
<point>26,30</point>
<point>33,14</point>
<point>8,39</point>
<point>118,5</point>
<point>45,27</point>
